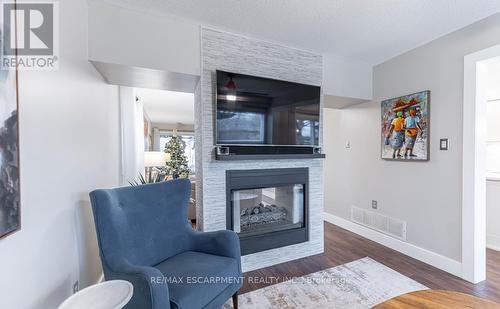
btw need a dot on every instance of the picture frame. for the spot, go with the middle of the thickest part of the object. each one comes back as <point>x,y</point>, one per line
<point>10,196</point>
<point>405,127</point>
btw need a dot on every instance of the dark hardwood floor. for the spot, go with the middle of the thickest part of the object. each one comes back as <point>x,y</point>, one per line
<point>342,246</point>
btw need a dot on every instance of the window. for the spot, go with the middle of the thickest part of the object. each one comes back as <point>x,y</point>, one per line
<point>188,140</point>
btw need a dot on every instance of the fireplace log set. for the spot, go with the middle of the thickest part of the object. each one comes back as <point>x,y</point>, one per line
<point>262,214</point>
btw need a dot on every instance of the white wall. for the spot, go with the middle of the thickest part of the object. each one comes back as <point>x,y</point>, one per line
<point>493,80</point>
<point>492,214</point>
<point>69,146</point>
<point>344,77</point>
<point>493,125</point>
<point>433,207</point>
<point>118,35</point>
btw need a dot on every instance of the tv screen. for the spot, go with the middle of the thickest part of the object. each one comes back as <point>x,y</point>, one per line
<point>261,111</point>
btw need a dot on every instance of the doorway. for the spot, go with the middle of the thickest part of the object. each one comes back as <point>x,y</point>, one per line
<point>478,103</point>
<point>158,137</point>
<point>492,71</point>
<point>169,136</point>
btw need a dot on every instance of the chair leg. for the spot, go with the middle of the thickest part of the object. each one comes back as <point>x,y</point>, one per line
<point>235,300</point>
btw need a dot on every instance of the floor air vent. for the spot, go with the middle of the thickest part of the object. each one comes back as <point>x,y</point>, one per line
<point>387,225</point>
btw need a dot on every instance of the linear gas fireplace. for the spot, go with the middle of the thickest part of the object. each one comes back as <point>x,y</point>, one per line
<point>268,208</point>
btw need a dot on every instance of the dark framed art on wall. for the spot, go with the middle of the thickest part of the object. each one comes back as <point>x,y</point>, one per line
<point>10,212</point>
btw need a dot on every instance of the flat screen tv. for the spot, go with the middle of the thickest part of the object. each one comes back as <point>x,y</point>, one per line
<point>266,112</point>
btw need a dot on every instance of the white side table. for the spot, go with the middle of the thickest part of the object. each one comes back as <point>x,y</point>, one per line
<point>112,294</point>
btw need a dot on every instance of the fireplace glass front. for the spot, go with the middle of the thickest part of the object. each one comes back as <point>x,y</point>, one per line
<point>265,210</point>
<point>268,208</point>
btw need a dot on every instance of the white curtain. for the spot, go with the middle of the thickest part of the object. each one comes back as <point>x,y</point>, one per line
<point>132,135</point>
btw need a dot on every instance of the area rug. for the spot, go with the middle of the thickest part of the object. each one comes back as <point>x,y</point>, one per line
<point>363,283</point>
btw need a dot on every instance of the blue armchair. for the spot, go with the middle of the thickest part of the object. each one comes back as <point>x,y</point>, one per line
<point>145,238</point>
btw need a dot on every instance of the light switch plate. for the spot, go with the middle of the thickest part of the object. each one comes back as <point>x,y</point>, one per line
<point>443,144</point>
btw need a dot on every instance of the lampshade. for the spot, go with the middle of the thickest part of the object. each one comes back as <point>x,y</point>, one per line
<point>155,158</point>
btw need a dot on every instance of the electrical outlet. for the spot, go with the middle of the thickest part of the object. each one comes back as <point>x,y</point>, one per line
<point>75,287</point>
<point>374,204</point>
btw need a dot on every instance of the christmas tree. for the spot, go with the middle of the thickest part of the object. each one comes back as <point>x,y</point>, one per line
<point>177,166</point>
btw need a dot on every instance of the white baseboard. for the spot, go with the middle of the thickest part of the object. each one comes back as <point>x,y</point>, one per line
<point>444,263</point>
<point>493,242</point>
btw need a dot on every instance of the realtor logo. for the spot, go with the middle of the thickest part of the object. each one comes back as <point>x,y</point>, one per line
<point>36,35</point>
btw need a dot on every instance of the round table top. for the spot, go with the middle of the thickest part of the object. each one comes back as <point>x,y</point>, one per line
<point>112,294</point>
<point>437,299</point>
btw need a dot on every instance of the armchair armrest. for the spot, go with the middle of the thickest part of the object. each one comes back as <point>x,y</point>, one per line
<point>150,288</point>
<point>223,243</point>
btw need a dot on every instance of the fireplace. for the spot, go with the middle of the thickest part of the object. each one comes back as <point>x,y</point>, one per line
<point>267,208</point>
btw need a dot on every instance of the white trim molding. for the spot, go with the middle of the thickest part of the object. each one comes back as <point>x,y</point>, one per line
<point>439,261</point>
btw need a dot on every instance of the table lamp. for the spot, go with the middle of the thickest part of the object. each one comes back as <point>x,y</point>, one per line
<point>155,158</point>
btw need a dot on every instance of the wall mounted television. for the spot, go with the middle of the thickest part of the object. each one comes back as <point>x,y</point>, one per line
<point>257,111</point>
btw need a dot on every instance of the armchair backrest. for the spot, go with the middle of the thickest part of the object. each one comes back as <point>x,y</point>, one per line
<point>142,225</point>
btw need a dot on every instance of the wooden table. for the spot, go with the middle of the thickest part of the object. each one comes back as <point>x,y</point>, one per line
<point>437,299</point>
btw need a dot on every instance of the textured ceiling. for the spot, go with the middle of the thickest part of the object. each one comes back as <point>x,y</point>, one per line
<point>368,30</point>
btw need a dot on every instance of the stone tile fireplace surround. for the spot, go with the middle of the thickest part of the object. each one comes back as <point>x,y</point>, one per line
<point>240,54</point>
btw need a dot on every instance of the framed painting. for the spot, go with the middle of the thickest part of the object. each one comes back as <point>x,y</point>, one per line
<point>10,212</point>
<point>405,127</point>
